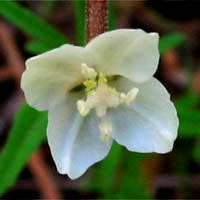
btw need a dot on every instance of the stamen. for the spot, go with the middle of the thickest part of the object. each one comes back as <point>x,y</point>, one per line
<point>100,96</point>
<point>131,95</point>
<point>102,78</point>
<point>106,131</point>
<point>83,108</point>
<point>90,85</point>
<point>88,72</point>
<point>114,91</point>
<point>122,97</point>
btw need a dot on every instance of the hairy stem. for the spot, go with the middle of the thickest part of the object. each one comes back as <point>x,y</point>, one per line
<point>97,12</point>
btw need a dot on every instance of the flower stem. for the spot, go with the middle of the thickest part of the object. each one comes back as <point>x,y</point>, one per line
<point>96,18</point>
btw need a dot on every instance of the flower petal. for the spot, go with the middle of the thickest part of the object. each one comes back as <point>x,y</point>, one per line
<point>74,141</point>
<point>150,123</point>
<point>130,53</point>
<point>49,76</point>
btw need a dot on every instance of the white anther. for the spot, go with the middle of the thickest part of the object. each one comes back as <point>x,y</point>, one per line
<point>106,131</point>
<point>83,108</point>
<point>89,73</point>
<point>100,96</point>
<point>131,95</point>
<point>122,97</point>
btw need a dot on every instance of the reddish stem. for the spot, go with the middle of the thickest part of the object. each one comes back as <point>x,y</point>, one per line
<point>96,18</point>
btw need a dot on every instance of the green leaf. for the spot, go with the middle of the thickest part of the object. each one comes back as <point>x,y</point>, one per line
<point>36,47</point>
<point>31,24</point>
<point>188,115</point>
<point>170,41</point>
<point>132,180</point>
<point>188,122</point>
<point>124,167</point>
<point>196,151</point>
<point>111,16</point>
<point>80,19</point>
<point>189,100</point>
<point>27,134</point>
<point>105,171</point>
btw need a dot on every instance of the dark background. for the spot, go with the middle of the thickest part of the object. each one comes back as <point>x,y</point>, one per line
<point>175,175</point>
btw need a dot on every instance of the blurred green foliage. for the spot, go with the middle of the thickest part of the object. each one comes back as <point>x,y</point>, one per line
<point>26,135</point>
<point>31,24</point>
<point>170,41</point>
<point>189,115</point>
<point>36,47</point>
<point>111,16</point>
<point>29,126</point>
<point>80,21</point>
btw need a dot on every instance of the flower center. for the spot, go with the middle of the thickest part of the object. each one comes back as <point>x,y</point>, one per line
<point>100,96</point>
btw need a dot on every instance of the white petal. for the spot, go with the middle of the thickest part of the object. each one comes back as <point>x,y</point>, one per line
<point>150,123</point>
<point>74,141</point>
<point>49,76</point>
<point>130,53</point>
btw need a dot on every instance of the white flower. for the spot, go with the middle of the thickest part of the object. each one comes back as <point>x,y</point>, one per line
<point>98,93</point>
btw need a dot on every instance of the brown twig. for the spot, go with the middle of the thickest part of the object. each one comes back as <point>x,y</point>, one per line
<point>13,69</point>
<point>11,52</point>
<point>9,109</point>
<point>96,18</point>
<point>43,176</point>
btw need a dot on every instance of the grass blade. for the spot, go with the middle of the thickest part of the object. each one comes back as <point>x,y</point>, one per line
<point>170,41</point>
<point>80,19</point>
<point>27,134</point>
<point>31,23</point>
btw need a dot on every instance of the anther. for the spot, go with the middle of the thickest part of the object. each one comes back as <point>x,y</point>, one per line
<point>83,108</point>
<point>102,78</point>
<point>89,73</point>
<point>90,85</point>
<point>129,97</point>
